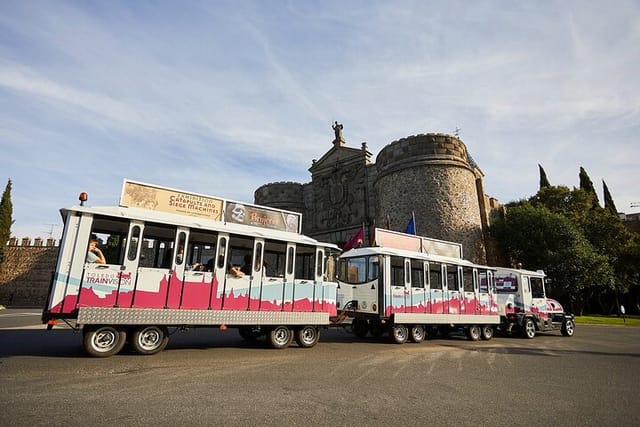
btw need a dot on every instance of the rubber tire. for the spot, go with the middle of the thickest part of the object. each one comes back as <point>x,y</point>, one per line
<point>487,332</point>
<point>307,336</point>
<point>568,328</point>
<point>149,339</point>
<point>399,334</point>
<point>103,340</point>
<point>280,337</point>
<point>474,332</point>
<point>417,333</point>
<point>360,328</point>
<point>528,329</point>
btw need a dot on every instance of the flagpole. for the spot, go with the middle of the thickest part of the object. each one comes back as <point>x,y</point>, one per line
<point>415,227</point>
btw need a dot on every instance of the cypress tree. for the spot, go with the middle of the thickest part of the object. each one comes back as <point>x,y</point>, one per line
<point>6,211</point>
<point>587,186</point>
<point>608,200</point>
<point>544,182</point>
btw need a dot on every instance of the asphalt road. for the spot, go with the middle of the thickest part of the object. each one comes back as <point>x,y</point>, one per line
<point>210,377</point>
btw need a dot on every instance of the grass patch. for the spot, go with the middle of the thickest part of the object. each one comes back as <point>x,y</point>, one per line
<point>608,320</point>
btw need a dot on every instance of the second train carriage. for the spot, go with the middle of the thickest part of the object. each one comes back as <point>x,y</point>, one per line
<point>408,286</point>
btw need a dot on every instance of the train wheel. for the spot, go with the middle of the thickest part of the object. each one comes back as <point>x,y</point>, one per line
<point>474,332</point>
<point>360,328</point>
<point>528,329</point>
<point>487,332</point>
<point>417,333</point>
<point>307,336</point>
<point>399,334</point>
<point>150,339</point>
<point>568,328</point>
<point>103,341</point>
<point>280,337</point>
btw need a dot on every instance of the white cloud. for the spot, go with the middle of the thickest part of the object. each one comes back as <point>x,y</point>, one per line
<point>182,95</point>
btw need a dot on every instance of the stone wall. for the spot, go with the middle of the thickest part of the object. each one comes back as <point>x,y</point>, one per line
<point>281,195</point>
<point>25,275</point>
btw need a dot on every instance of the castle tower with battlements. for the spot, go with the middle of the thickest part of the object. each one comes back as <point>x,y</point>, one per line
<point>431,176</point>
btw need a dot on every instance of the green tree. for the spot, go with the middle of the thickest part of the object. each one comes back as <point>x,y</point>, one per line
<point>6,212</point>
<point>608,200</point>
<point>544,182</point>
<point>587,185</point>
<point>605,232</point>
<point>542,239</point>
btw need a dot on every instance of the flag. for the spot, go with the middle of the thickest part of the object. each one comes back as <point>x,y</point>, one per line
<point>356,240</point>
<point>387,224</point>
<point>411,227</point>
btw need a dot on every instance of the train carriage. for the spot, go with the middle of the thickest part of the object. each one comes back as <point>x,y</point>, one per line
<point>177,259</point>
<point>409,285</point>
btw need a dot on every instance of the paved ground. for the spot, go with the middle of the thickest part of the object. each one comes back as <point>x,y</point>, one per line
<point>209,377</point>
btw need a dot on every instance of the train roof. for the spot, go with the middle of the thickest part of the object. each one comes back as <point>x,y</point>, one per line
<point>521,271</point>
<point>377,250</point>
<point>195,222</point>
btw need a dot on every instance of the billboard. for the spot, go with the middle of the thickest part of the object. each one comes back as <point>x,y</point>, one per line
<point>146,196</point>
<point>163,199</point>
<point>410,242</point>
<point>258,216</point>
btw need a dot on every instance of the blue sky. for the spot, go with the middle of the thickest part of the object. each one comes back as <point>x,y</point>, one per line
<point>220,97</point>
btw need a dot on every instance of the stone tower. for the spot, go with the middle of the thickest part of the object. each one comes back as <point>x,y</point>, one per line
<point>433,177</point>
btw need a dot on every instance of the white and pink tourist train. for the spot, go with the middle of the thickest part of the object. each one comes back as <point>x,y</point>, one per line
<point>170,259</point>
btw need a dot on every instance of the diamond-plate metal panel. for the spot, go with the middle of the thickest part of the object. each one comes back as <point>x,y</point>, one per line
<point>457,319</point>
<point>145,316</point>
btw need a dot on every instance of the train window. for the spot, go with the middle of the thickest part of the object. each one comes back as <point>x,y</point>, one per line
<point>305,262</point>
<point>397,271</point>
<point>112,238</point>
<point>358,270</point>
<point>373,268</point>
<point>352,270</point>
<point>274,258</point>
<point>222,252</point>
<point>417,274</point>
<point>537,287</point>
<point>320,262</point>
<point>157,246</point>
<point>435,275</point>
<point>201,251</point>
<point>135,240</point>
<point>240,251</point>
<point>467,279</point>
<point>330,267</point>
<point>453,281</point>
<point>291,253</point>
<point>182,238</point>
<point>257,263</point>
<point>506,283</point>
<point>483,280</point>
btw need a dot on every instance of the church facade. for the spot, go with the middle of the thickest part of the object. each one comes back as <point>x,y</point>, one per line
<point>430,177</point>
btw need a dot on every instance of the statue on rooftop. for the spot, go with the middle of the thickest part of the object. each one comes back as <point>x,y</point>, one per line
<point>337,129</point>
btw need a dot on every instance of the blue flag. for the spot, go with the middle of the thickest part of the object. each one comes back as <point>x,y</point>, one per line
<point>411,227</point>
